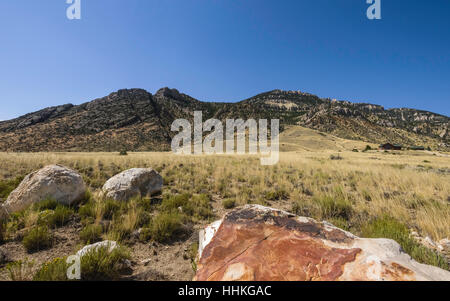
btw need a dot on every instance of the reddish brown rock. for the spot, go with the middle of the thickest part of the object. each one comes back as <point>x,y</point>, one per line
<point>256,243</point>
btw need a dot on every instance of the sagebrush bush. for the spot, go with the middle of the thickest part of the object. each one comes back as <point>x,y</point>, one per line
<point>55,270</point>
<point>47,204</point>
<point>197,207</point>
<point>100,264</point>
<point>91,234</point>
<point>20,270</point>
<point>2,231</point>
<point>6,187</point>
<point>192,254</point>
<point>276,195</point>
<point>334,207</point>
<point>388,227</point>
<point>229,203</point>
<point>166,227</point>
<point>60,216</point>
<point>87,210</point>
<point>39,238</point>
<point>110,207</point>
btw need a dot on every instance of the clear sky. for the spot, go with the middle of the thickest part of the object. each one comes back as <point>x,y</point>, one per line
<point>225,50</point>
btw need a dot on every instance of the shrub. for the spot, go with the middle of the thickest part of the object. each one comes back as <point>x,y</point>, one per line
<point>37,239</point>
<point>355,150</point>
<point>301,208</point>
<point>388,227</point>
<point>195,206</point>
<point>87,210</point>
<point>47,204</point>
<point>110,207</point>
<point>192,254</point>
<point>334,207</point>
<point>123,153</point>
<point>337,157</point>
<point>2,231</point>
<point>276,195</point>
<point>6,187</point>
<point>199,207</point>
<point>55,270</point>
<point>368,148</point>
<point>173,202</point>
<point>229,203</point>
<point>20,270</point>
<point>166,226</point>
<point>60,216</point>
<point>146,234</point>
<point>100,264</point>
<point>91,234</point>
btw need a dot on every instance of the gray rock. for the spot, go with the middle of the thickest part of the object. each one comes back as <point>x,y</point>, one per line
<point>133,182</point>
<point>56,182</point>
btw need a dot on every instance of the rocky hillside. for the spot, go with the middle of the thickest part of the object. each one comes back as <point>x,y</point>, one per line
<point>137,120</point>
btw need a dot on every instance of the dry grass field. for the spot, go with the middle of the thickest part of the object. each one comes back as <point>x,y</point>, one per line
<point>372,193</point>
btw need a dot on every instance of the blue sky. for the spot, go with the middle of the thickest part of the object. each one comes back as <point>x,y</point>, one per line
<point>225,50</point>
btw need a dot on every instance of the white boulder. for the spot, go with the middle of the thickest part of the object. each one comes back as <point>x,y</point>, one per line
<point>57,182</point>
<point>133,182</point>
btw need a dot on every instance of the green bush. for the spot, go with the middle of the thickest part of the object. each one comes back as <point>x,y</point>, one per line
<point>336,157</point>
<point>47,204</point>
<point>2,232</point>
<point>192,254</point>
<point>277,195</point>
<point>6,187</point>
<point>166,227</point>
<point>334,207</point>
<point>173,202</point>
<point>55,270</point>
<point>37,239</point>
<point>100,264</point>
<point>388,227</point>
<point>301,208</point>
<point>20,270</point>
<point>91,234</point>
<point>110,207</point>
<point>199,207</point>
<point>87,210</point>
<point>97,265</point>
<point>368,148</point>
<point>60,216</point>
<point>229,203</point>
<point>146,234</point>
<point>196,206</point>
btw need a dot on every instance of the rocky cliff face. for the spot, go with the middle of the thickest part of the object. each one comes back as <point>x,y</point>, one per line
<point>137,120</point>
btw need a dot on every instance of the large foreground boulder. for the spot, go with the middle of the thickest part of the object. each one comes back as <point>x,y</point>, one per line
<point>133,182</point>
<point>256,243</point>
<point>56,182</point>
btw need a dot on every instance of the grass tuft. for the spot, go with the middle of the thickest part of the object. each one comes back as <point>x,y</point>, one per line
<point>37,239</point>
<point>388,227</point>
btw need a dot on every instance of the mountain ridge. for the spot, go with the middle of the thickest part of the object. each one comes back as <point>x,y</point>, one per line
<point>135,119</point>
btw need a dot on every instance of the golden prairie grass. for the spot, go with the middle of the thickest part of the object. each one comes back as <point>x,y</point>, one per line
<point>412,187</point>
